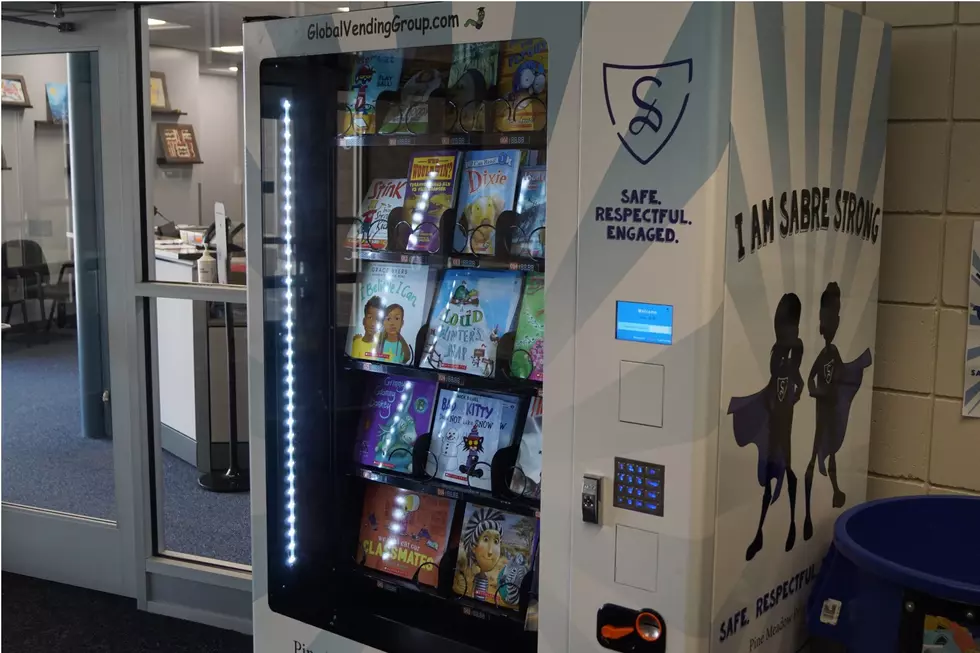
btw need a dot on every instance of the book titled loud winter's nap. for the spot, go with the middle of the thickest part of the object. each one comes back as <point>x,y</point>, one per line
<point>531,197</point>
<point>432,181</point>
<point>526,480</point>
<point>528,359</point>
<point>472,310</point>
<point>523,83</point>
<point>496,549</point>
<point>402,532</point>
<point>372,230</point>
<point>396,411</point>
<point>489,180</point>
<point>388,311</point>
<point>373,73</point>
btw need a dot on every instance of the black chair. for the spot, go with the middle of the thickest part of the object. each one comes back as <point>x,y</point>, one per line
<point>34,277</point>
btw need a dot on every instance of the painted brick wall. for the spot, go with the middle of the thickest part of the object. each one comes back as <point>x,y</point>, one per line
<point>919,442</point>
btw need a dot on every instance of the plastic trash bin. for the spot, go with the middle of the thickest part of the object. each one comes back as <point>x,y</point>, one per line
<point>902,576</point>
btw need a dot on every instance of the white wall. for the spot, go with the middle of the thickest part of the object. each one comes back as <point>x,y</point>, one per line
<point>221,144</point>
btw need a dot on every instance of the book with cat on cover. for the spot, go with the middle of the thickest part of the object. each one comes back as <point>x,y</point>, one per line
<point>372,74</point>
<point>372,229</point>
<point>523,83</point>
<point>402,532</point>
<point>472,310</point>
<point>396,411</point>
<point>531,197</point>
<point>487,186</point>
<point>526,479</point>
<point>473,72</point>
<point>390,306</point>
<point>527,361</point>
<point>496,549</point>
<point>432,182</point>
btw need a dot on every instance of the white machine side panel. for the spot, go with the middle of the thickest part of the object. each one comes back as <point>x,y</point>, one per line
<point>807,154</point>
<point>655,98</point>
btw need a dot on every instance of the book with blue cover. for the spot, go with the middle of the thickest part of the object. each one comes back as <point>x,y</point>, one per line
<point>487,187</point>
<point>373,73</point>
<point>531,202</point>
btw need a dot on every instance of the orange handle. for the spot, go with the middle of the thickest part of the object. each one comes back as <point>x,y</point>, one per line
<point>616,632</point>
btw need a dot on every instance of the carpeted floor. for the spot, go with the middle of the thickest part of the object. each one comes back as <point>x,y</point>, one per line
<point>40,616</point>
<point>48,463</point>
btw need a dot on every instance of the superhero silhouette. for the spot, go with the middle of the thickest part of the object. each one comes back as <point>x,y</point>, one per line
<point>766,417</point>
<point>833,384</point>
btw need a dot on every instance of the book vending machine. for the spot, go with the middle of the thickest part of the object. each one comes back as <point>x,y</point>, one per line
<point>690,192</point>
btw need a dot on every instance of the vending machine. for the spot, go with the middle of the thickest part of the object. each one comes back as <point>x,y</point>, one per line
<point>561,321</point>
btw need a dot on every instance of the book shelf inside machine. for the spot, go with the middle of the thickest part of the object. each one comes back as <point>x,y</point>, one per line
<point>404,283</point>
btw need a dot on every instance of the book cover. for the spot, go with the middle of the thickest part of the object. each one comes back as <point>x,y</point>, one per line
<point>402,531</point>
<point>487,187</point>
<point>528,359</point>
<point>523,83</point>
<point>372,74</point>
<point>472,310</point>
<point>531,201</point>
<point>473,72</point>
<point>496,548</point>
<point>432,181</point>
<point>390,306</point>
<point>396,411</point>
<point>526,480</point>
<point>372,231</point>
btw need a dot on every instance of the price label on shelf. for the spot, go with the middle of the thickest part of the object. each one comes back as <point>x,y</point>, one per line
<point>470,612</point>
<point>450,379</point>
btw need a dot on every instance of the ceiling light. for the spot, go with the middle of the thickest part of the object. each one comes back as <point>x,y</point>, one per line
<point>233,69</point>
<point>343,8</point>
<point>155,22</point>
<point>229,49</point>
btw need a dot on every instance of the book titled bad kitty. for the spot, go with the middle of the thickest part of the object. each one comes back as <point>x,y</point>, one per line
<point>396,411</point>
<point>487,187</point>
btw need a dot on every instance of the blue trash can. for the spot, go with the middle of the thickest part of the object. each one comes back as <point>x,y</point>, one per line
<point>902,576</point>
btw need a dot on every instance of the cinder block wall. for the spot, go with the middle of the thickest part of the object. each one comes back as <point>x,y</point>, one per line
<point>919,442</point>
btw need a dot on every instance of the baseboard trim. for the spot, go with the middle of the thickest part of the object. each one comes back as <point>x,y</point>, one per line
<point>216,619</point>
<point>178,444</point>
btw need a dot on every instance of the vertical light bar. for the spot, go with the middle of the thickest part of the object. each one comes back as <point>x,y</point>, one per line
<point>287,211</point>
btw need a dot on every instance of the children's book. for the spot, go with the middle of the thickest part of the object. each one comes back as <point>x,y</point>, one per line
<point>472,310</point>
<point>473,72</point>
<point>496,548</point>
<point>373,73</point>
<point>528,358</point>
<point>523,83</point>
<point>489,181</point>
<point>426,70</point>
<point>526,480</point>
<point>396,411</point>
<point>432,181</point>
<point>402,532</point>
<point>372,231</point>
<point>391,302</point>
<point>531,197</point>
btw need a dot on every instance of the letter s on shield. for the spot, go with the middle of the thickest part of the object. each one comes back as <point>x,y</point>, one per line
<point>646,103</point>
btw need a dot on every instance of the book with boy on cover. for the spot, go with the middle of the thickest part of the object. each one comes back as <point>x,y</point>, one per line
<point>468,430</point>
<point>472,310</point>
<point>371,231</point>
<point>372,74</point>
<point>396,411</point>
<point>526,480</point>
<point>473,72</point>
<point>527,361</point>
<point>423,74</point>
<point>531,197</point>
<point>487,186</point>
<point>496,548</point>
<point>523,83</point>
<point>402,531</point>
<point>390,306</point>
<point>432,181</point>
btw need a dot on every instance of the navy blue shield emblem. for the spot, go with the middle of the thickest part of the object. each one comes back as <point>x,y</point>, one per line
<point>782,383</point>
<point>828,371</point>
<point>646,103</point>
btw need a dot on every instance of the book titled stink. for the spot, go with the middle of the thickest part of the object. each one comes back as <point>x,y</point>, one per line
<point>489,181</point>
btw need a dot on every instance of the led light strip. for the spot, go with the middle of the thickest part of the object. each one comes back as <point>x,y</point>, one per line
<point>287,186</point>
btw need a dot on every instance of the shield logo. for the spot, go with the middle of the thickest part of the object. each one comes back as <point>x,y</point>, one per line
<point>782,383</point>
<point>828,371</point>
<point>646,103</point>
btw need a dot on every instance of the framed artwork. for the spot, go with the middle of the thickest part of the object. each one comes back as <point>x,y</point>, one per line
<point>159,100</point>
<point>14,93</point>
<point>3,163</point>
<point>56,94</point>
<point>178,143</point>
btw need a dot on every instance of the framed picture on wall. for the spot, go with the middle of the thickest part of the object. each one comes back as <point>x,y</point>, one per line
<point>14,93</point>
<point>178,144</point>
<point>159,100</point>
<point>56,95</point>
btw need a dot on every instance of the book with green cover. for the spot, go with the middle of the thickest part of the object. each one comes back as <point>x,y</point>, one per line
<point>528,359</point>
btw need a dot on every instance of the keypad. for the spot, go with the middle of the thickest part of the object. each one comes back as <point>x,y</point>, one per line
<point>638,486</point>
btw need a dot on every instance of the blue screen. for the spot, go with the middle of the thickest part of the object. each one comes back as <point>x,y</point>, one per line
<point>652,323</point>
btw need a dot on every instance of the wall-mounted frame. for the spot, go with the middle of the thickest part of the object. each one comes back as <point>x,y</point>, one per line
<point>14,92</point>
<point>56,98</point>
<point>178,144</point>
<point>159,98</point>
<point>3,162</point>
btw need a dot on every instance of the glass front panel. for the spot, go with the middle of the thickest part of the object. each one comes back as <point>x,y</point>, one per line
<point>404,251</point>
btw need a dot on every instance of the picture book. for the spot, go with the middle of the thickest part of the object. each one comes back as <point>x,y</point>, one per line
<point>425,71</point>
<point>372,74</point>
<point>396,411</point>
<point>472,310</point>
<point>402,532</point>
<point>432,181</point>
<point>523,83</point>
<point>531,618</point>
<point>473,72</point>
<point>495,553</point>
<point>528,359</point>
<point>372,231</point>
<point>531,197</point>
<point>391,301</point>
<point>527,480</point>
<point>487,187</point>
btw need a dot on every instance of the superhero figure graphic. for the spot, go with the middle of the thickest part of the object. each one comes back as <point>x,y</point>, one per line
<point>766,417</point>
<point>833,384</point>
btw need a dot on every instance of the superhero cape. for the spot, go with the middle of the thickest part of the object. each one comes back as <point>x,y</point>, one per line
<point>750,422</point>
<point>850,383</point>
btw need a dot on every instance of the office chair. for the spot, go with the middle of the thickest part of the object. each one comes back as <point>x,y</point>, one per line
<point>35,280</point>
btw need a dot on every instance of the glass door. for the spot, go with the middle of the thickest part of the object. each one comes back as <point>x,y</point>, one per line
<point>404,240</point>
